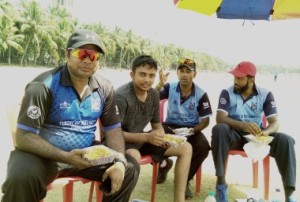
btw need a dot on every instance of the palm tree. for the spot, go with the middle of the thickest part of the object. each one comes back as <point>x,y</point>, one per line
<point>65,25</point>
<point>9,37</point>
<point>36,27</point>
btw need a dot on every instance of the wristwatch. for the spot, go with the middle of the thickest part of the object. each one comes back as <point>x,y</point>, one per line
<point>121,158</point>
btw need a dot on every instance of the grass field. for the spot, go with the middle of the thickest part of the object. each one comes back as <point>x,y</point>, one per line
<point>13,80</point>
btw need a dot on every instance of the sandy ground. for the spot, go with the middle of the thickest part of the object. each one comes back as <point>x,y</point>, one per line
<point>13,80</point>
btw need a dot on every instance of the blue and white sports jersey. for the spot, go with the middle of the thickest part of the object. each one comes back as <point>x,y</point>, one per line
<point>188,112</point>
<point>53,109</point>
<point>250,110</point>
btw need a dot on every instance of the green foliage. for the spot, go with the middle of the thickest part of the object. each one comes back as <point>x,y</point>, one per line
<point>33,36</point>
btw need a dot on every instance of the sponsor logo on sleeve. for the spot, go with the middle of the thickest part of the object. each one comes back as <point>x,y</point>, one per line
<point>33,112</point>
<point>205,105</point>
<point>117,110</point>
<point>273,103</point>
<point>223,101</point>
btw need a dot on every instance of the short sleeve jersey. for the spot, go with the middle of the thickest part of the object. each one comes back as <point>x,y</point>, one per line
<point>187,112</point>
<point>250,110</point>
<point>52,108</point>
<point>135,115</point>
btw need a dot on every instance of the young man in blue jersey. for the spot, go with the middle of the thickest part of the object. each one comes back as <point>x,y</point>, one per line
<point>58,119</point>
<point>240,111</point>
<point>188,107</point>
<point>138,104</point>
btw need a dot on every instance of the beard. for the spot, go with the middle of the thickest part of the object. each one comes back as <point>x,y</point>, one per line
<point>240,90</point>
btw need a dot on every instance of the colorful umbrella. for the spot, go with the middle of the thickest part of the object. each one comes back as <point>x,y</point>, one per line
<point>286,9</point>
<point>244,9</point>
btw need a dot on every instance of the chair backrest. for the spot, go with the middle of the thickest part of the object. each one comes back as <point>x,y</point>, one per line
<point>163,107</point>
<point>12,117</point>
<point>264,121</point>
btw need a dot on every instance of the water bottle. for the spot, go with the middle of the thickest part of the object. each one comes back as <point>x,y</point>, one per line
<point>277,196</point>
<point>210,197</point>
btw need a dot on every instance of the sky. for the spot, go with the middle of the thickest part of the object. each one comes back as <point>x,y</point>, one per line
<point>262,42</point>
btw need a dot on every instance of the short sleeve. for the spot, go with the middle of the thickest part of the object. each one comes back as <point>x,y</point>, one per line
<point>224,101</point>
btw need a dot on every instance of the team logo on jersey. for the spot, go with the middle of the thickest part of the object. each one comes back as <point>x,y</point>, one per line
<point>253,106</point>
<point>33,112</point>
<point>223,101</point>
<point>192,106</point>
<point>64,105</point>
<point>95,105</point>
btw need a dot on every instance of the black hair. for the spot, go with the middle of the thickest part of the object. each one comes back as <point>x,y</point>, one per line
<point>143,60</point>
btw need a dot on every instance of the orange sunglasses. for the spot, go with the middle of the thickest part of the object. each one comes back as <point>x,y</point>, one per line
<point>81,53</point>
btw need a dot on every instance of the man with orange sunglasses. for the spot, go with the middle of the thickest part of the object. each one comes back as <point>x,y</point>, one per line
<point>57,121</point>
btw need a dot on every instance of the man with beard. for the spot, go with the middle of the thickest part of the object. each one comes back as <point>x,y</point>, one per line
<point>138,105</point>
<point>240,111</point>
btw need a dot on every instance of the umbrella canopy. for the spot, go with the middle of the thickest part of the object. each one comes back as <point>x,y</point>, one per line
<point>244,9</point>
<point>286,9</point>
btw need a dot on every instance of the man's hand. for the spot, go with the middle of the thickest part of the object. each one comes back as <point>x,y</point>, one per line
<point>252,128</point>
<point>116,173</point>
<point>191,131</point>
<point>155,137</point>
<point>162,78</point>
<point>74,158</point>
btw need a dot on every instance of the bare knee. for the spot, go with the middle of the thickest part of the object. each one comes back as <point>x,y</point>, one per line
<point>185,149</point>
<point>134,153</point>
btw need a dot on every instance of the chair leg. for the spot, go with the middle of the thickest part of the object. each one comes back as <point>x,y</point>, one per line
<point>198,180</point>
<point>99,194</point>
<point>154,180</point>
<point>266,165</point>
<point>255,173</point>
<point>91,191</point>
<point>226,162</point>
<point>68,192</point>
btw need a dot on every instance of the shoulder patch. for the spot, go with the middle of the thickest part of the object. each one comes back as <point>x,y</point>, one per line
<point>33,112</point>
<point>223,101</point>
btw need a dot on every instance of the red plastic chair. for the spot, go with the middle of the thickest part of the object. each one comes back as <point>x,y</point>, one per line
<point>67,189</point>
<point>146,159</point>
<point>266,167</point>
<point>162,116</point>
<point>67,182</point>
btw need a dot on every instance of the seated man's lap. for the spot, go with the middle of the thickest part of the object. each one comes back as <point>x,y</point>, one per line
<point>157,153</point>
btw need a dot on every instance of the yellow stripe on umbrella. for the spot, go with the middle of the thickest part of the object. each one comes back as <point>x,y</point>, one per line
<point>207,7</point>
<point>286,9</point>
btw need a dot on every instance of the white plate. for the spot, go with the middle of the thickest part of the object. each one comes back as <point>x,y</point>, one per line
<point>182,132</point>
<point>259,139</point>
<point>99,155</point>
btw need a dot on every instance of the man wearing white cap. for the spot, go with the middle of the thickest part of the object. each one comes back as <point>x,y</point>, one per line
<point>240,111</point>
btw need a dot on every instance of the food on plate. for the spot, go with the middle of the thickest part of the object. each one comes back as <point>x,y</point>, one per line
<point>174,139</point>
<point>97,152</point>
<point>263,138</point>
<point>259,139</point>
<point>99,155</point>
